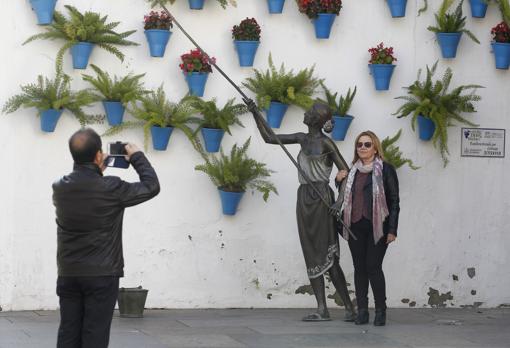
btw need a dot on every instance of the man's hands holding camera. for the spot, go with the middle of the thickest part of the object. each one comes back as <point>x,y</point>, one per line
<point>119,155</point>
<point>130,150</point>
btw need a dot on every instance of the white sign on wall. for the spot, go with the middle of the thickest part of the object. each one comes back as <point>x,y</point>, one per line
<point>483,142</point>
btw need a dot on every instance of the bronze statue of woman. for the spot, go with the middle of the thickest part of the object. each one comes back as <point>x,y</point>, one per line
<point>318,231</point>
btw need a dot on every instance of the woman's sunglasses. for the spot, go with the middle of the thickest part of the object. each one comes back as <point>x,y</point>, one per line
<point>367,144</point>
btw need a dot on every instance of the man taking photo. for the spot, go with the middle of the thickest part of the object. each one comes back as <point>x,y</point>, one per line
<point>89,213</point>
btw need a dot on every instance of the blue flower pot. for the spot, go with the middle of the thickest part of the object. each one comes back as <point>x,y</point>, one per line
<point>275,114</point>
<point>230,201</point>
<point>448,43</point>
<point>397,8</point>
<point>323,25</point>
<point>478,8</point>
<point>114,112</point>
<point>49,119</point>
<point>275,6</point>
<point>382,75</point>
<point>81,54</point>
<point>426,128</point>
<point>246,51</point>
<point>160,137</point>
<point>212,138</point>
<point>157,39</point>
<point>196,4</point>
<point>501,54</point>
<point>44,10</point>
<point>341,126</point>
<point>196,83</point>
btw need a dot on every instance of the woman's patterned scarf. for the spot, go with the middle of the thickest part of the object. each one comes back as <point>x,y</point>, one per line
<point>379,206</point>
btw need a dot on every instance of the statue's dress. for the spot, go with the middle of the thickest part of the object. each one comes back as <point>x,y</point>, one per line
<point>317,228</point>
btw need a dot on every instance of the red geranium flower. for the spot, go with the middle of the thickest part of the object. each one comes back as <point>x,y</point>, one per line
<point>381,55</point>
<point>196,61</point>
<point>501,33</point>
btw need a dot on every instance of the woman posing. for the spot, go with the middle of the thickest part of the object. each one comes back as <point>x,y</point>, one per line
<point>370,207</point>
<point>317,227</point>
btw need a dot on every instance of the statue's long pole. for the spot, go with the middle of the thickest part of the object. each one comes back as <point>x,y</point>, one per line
<point>271,132</point>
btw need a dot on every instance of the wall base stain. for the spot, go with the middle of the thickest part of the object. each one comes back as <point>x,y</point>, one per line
<point>411,303</point>
<point>337,299</point>
<point>304,289</point>
<point>438,300</point>
<point>474,305</point>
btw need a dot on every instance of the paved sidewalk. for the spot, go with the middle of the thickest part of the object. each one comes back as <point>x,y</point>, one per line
<point>272,328</point>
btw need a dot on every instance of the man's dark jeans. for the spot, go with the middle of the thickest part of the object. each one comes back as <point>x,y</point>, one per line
<point>86,310</point>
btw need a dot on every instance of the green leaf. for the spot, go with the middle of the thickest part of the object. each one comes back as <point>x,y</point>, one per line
<point>392,153</point>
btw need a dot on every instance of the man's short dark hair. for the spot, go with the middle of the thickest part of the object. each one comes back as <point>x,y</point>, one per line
<point>84,145</point>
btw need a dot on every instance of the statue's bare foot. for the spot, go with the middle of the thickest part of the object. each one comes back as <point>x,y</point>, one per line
<point>350,315</point>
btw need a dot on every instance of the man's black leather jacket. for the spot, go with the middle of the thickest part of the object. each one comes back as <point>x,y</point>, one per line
<point>90,210</point>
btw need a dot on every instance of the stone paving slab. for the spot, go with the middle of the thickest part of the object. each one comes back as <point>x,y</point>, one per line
<point>275,328</point>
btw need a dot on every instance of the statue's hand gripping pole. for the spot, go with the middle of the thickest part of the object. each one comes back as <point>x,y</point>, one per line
<point>244,96</point>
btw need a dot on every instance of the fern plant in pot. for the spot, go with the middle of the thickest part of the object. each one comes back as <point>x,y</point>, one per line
<point>81,32</point>
<point>51,97</point>
<point>341,119</point>
<point>501,37</point>
<point>434,107</point>
<point>276,89</point>
<point>234,174</point>
<point>216,120</point>
<point>116,93</point>
<point>158,117</point>
<point>449,28</point>
<point>392,153</point>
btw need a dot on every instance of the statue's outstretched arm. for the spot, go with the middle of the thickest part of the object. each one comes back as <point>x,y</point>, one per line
<point>266,132</point>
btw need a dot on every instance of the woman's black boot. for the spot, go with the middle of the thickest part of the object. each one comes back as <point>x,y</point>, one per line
<point>362,317</point>
<point>380,317</point>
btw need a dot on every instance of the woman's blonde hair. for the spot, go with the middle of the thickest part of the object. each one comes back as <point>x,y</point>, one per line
<point>375,142</point>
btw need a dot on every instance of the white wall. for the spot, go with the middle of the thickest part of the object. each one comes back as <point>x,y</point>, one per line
<point>451,219</point>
